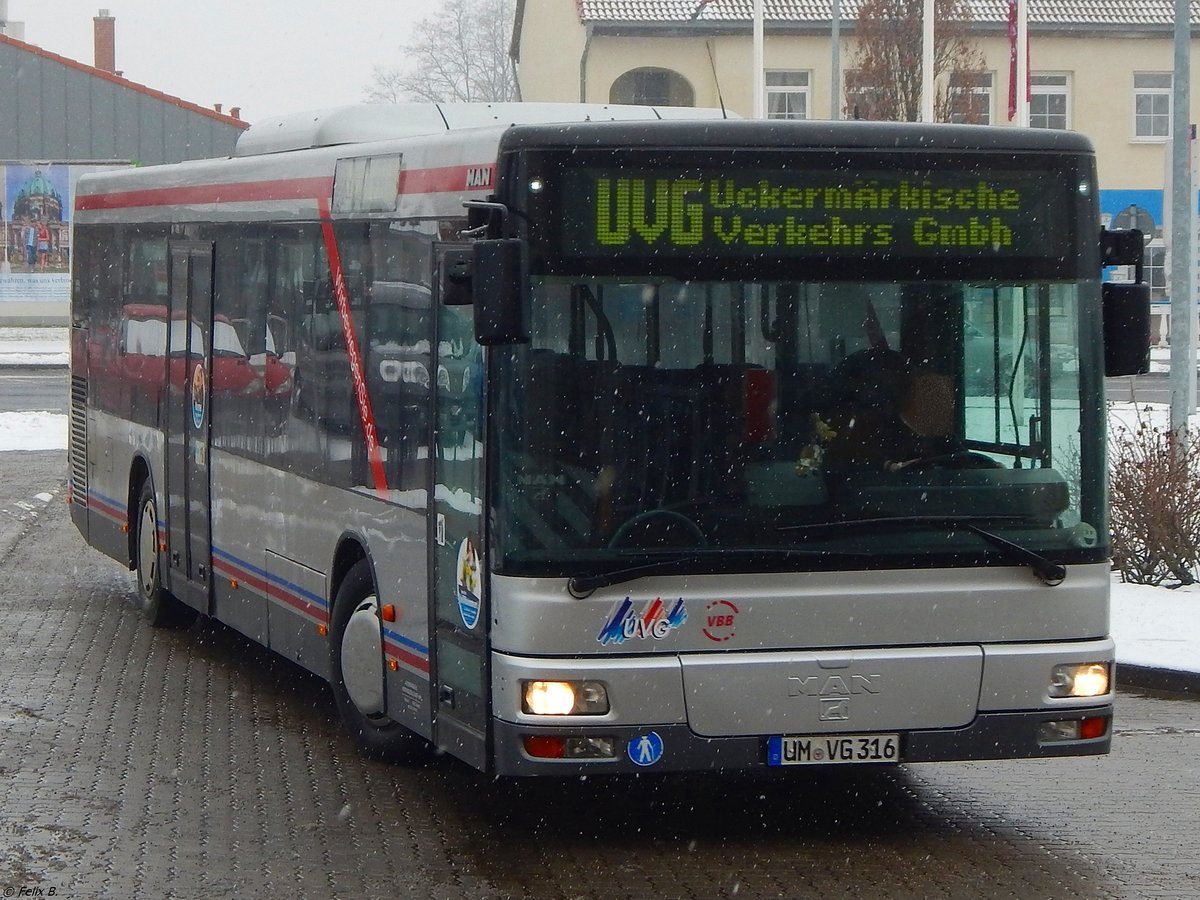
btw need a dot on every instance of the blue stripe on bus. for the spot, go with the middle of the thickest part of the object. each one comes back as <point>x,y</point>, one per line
<point>266,577</point>
<point>388,634</point>
<point>117,510</point>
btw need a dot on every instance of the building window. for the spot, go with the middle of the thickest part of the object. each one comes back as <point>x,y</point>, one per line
<point>1155,272</point>
<point>652,87</point>
<point>787,94</point>
<point>970,97</point>
<point>1050,104</point>
<point>1152,105</point>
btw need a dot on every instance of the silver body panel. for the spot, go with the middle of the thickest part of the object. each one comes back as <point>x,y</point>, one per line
<point>264,521</point>
<point>834,691</point>
<point>811,610</point>
<point>808,653</point>
<point>650,688</point>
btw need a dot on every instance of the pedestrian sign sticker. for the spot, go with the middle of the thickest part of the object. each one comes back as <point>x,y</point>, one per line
<point>646,749</point>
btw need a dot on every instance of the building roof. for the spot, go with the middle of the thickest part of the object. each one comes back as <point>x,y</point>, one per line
<point>125,83</point>
<point>1041,12</point>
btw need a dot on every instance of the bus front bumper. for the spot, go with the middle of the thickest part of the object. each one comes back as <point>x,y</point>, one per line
<point>676,748</point>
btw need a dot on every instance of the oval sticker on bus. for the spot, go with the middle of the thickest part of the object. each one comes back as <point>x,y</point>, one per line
<point>198,396</point>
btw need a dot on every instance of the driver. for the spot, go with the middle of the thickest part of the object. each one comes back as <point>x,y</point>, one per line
<point>925,417</point>
<point>891,415</point>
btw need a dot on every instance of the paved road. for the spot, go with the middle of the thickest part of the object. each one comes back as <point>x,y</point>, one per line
<point>192,764</point>
<point>1142,388</point>
<point>33,390</point>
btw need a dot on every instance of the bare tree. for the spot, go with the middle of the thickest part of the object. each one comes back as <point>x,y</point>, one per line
<point>458,53</point>
<point>885,82</point>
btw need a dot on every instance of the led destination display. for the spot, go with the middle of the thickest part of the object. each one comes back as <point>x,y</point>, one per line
<point>807,213</point>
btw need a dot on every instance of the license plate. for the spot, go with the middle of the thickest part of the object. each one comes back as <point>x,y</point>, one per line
<point>832,749</point>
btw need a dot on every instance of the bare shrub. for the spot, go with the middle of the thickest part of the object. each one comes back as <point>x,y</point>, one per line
<point>1154,486</point>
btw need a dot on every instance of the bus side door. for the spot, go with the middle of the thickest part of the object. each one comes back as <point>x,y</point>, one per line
<point>459,664</point>
<point>188,415</point>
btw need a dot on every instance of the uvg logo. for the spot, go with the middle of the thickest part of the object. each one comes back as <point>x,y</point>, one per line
<point>655,622</point>
<point>718,620</point>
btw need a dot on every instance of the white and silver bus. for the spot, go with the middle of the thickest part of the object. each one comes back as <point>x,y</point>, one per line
<point>582,439</point>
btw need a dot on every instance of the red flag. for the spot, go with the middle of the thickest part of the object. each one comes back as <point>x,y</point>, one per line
<point>1012,62</point>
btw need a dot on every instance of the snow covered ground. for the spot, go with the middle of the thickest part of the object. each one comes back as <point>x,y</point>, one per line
<point>34,347</point>
<point>1153,627</point>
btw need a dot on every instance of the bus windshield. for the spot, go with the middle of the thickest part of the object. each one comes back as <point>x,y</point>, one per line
<point>823,425</point>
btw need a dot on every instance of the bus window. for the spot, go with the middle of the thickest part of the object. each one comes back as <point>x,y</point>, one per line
<point>146,272</point>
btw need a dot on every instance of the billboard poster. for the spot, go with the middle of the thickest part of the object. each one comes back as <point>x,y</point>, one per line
<point>35,245</point>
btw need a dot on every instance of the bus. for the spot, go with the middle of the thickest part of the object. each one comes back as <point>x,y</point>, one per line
<point>615,439</point>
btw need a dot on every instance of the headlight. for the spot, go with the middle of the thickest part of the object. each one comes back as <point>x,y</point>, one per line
<point>564,698</point>
<point>1080,680</point>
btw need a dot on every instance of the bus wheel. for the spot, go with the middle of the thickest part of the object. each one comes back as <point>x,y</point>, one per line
<point>356,671</point>
<point>159,606</point>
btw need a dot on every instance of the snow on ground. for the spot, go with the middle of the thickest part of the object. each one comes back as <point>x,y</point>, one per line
<point>1156,627</point>
<point>1152,626</point>
<point>33,431</point>
<point>34,346</point>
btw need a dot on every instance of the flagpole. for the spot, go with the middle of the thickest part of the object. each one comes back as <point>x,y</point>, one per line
<point>758,75</point>
<point>1022,63</point>
<point>927,62</point>
<point>835,66</point>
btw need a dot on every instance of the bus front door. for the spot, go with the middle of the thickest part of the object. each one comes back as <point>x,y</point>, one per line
<point>189,406</point>
<point>459,670</point>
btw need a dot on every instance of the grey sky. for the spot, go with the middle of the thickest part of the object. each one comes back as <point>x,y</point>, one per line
<point>267,56</point>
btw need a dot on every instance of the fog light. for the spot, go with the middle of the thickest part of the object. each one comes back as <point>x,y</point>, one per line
<point>1073,730</point>
<point>1054,732</point>
<point>590,748</point>
<point>1079,680</point>
<point>564,698</point>
<point>543,746</point>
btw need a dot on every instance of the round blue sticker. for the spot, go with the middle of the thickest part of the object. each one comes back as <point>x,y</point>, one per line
<point>646,749</point>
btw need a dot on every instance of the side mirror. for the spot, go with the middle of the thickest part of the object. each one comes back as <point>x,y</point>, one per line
<point>456,277</point>
<point>498,284</point>
<point>1126,313</point>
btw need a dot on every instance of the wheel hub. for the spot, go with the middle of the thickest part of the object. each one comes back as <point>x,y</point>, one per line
<point>362,659</point>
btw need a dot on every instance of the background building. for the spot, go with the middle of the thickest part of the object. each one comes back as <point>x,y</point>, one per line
<point>1101,67</point>
<point>59,119</point>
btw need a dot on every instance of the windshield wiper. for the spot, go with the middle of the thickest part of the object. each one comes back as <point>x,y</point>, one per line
<point>1050,572</point>
<point>580,586</point>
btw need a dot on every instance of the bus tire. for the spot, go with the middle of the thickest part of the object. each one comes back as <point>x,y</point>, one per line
<point>355,657</point>
<point>158,605</point>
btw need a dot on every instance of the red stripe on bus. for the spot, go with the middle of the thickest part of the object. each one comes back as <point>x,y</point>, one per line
<point>447,179</point>
<point>236,192</point>
<point>250,579</point>
<point>271,590</point>
<point>395,651</point>
<point>365,413</point>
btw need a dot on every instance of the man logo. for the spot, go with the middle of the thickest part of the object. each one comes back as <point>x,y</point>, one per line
<point>833,685</point>
<point>480,177</point>
<point>836,709</point>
